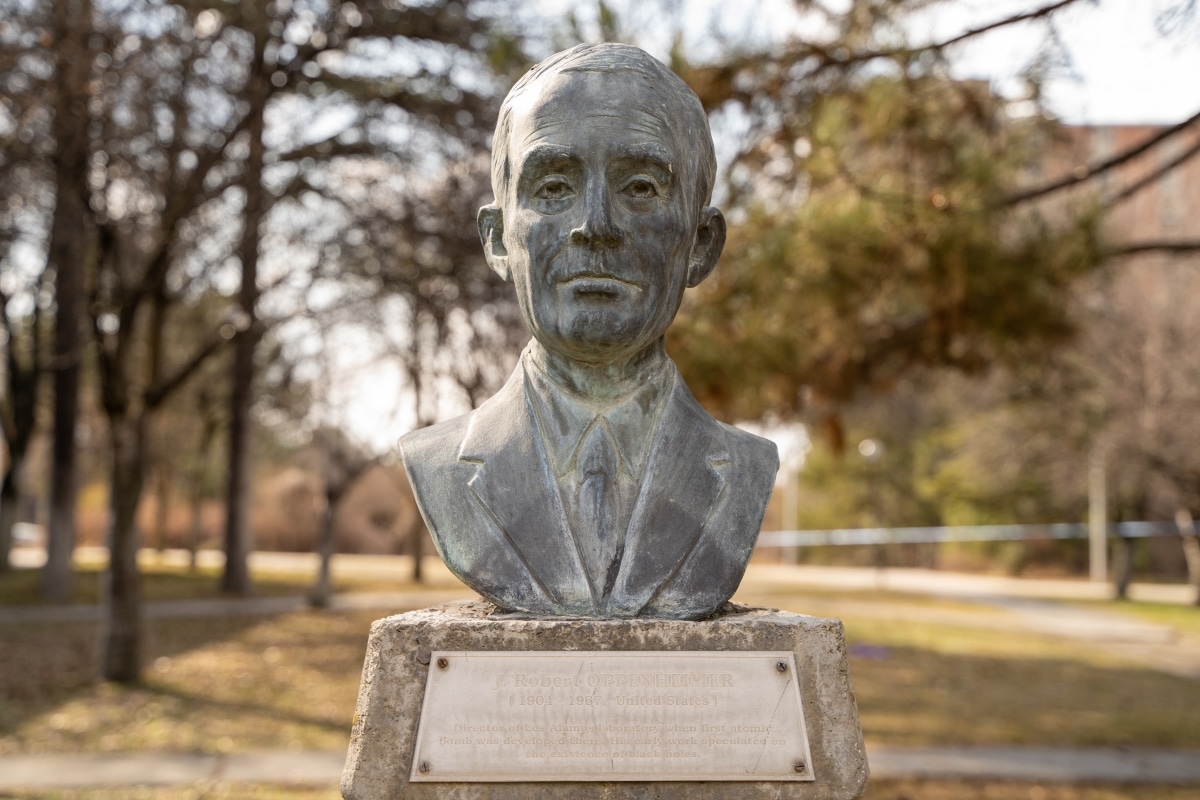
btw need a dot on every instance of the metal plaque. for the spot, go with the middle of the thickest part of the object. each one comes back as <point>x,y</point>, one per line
<point>612,716</point>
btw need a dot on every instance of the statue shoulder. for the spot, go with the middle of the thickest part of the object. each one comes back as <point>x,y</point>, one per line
<point>745,447</point>
<point>754,443</point>
<point>749,448</point>
<point>434,445</point>
<point>484,430</point>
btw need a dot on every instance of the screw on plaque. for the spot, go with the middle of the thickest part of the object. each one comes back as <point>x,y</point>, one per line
<point>443,662</point>
<point>798,766</point>
<point>423,766</point>
<point>781,666</point>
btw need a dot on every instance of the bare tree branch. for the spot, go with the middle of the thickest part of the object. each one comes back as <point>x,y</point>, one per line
<point>1037,13</point>
<point>1180,247</point>
<point>829,58</point>
<point>157,394</point>
<point>1153,177</point>
<point>1104,166</point>
<point>179,205</point>
<point>330,149</point>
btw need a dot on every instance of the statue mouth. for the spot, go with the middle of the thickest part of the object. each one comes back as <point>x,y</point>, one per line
<point>599,285</point>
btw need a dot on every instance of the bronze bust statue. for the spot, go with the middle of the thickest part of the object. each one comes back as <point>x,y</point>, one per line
<point>593,484</point>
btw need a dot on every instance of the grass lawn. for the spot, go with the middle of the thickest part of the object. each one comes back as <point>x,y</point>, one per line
<point>925,685</point>
<point>216,685</point>
<point>247,683</point>
<point>211,686</point>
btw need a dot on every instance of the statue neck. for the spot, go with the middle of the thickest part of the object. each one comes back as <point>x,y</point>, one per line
<point>600,382</point>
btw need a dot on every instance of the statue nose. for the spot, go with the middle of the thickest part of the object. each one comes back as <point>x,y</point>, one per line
<point>598,228</point>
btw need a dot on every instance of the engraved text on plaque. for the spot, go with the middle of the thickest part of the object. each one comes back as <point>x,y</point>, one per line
<point>611,716</point>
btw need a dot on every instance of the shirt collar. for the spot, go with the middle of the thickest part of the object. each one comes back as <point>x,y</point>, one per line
<point>564,417</point>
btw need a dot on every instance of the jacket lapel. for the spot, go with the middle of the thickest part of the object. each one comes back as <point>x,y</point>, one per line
<point>513,483</point>
<point>683,480</point>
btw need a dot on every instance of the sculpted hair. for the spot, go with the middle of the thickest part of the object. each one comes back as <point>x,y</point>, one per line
<point>614,58</point>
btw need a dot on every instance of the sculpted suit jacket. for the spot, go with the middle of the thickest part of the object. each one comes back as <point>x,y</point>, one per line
<point>485,488</point>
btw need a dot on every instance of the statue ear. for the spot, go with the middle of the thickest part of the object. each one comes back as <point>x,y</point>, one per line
<point>710,240</point>
<point>491,232</point>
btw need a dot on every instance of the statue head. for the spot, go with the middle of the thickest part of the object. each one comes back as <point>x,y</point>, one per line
<point>602,168</point>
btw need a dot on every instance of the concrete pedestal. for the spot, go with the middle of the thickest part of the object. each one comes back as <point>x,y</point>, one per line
<point>397,665</point>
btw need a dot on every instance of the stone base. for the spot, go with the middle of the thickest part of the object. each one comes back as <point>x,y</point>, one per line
<point>394,677</point>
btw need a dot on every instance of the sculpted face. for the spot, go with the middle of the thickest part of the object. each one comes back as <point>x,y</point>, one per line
<point>599,228</point>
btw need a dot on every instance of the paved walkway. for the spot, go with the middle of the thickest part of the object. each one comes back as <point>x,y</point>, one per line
<point>393,602</point>
<point>1034,765</point>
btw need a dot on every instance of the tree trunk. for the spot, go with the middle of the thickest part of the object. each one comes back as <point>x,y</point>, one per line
<point>121,659</point>
<point>322,590</point>
<point>416,529</point>
<point>236,577</point>
<point>1122,566</point>
<point>416,539</point>
<point>197,528</point>
<point>1191,549</point>
<point>8,510</point>
<point>23,384</point>
<point>162,508</point>
<point>67,252</point>
<point>196,479</point>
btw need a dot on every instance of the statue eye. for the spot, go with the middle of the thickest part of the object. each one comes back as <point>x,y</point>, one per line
<point>641,189</point>
<point>553,189</point>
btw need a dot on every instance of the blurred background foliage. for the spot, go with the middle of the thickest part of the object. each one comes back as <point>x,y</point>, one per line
<point>238,248</point>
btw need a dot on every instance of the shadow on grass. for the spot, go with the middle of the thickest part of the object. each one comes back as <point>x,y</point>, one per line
<point>916,696</point>
<point>210,684</point>
<point>232,709</point>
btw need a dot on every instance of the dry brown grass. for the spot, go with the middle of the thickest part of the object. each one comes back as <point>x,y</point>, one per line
<point>920,683</point>
<point>242,684</point>
<point>212,686</point>
<point>924,685</point>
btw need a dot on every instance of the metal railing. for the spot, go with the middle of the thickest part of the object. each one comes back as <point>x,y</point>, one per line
<point>959,533</point>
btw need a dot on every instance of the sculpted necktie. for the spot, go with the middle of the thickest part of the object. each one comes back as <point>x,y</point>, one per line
<point>599,505</point>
